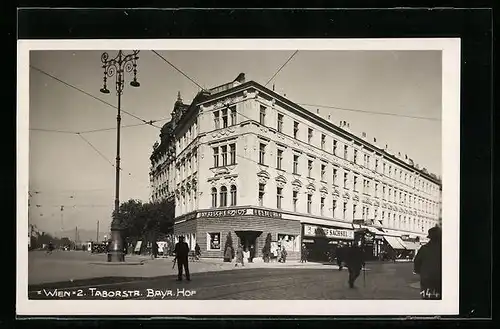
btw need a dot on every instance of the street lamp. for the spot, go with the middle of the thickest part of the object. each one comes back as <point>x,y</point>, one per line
<point>117,67</point>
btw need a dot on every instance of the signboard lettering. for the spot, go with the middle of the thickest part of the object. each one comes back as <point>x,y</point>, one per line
<point>224,213</point>
<point>310,230</point>
<point>266,213</point>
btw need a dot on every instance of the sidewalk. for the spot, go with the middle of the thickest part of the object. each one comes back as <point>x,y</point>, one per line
<point>47,269</point>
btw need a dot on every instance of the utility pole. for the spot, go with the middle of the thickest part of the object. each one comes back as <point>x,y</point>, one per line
<point>62,221</point>
<point>97,235</point>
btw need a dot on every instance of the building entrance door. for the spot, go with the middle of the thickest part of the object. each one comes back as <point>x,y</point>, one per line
<point>248,240</point>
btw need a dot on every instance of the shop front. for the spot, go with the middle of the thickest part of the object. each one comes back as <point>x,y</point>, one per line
<point>322,242</point>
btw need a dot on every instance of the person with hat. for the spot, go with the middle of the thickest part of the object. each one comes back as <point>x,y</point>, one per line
<point>427,264</point>
<point>354,260</point>
<point>181,254</point>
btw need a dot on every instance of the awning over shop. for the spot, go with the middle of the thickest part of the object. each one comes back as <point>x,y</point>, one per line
<point>394,242</point>
<point>410,245</point>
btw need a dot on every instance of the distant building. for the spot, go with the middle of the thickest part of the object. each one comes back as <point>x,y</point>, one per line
<point>243,159</point>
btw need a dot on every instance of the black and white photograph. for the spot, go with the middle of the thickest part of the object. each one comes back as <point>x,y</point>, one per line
<point>238,177</point>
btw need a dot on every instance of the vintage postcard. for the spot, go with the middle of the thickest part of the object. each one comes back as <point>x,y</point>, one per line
<point>238,177</point>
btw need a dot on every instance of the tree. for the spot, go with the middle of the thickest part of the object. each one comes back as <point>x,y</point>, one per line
<point>228,248</point>
<point>266,250</point>
<point>130,219</point>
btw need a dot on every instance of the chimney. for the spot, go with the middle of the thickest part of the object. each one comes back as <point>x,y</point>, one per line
<point>328,116</point>
<point>406,156</point>
<point>374,140</point>
<point>317,111</point>
<point>273,86</point>
<point>363,134</point>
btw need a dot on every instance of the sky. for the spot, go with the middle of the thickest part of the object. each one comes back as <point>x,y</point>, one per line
<point>77,171</point>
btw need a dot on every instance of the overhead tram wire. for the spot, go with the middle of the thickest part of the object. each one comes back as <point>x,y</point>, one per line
<point>177,69</point>
<point>282,66</point>
<point>92,96</point>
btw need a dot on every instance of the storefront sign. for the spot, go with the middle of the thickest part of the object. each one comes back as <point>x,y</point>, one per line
<point>224,213</point>
<point>266,213</point>
<point>310,230</point>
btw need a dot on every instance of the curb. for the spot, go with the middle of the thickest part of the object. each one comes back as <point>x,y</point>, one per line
<point>118,263</point>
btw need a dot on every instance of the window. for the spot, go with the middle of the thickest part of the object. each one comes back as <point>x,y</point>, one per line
<point>232,151</point>
<point>262,153</point>
<point>400,197</point>
<point>323,141</point>
<point>354,211</point>
<point>334,147</point>
<point>376,190</point>
<point>213,241</point>
<point>216,120</point>
<point>345,180</point>
<point>322,205</point>
<point>309,168</point>
<point>216,156</point>
<point>334,176</point>
<point>383,192</point>
<point>223,196</point>
<point>224,155</point>
<point>334,206</point>
<point>224,118</point>
<point>279,197</point>
<point>346,148</point>
<point>261,194</point>
<point>233,115</point>
<point>390,171</point>
<point>295,200</point>
<point>279,158</point>
<point>295,164</point>
<point>344,211</point>
<point>355,183</point>
<point>233,195</point>
<point>309,135</point>
<point>280,122</point>
<point>295,129</point>
<point>323,171</point>
<point>376,164</point>
<point>262,115</point>
<point>383,168</point>
<point>309,203</point>
<point>406,177</point>
<point>355,156</point>
<point>367,161</point>
<point>214,197</point>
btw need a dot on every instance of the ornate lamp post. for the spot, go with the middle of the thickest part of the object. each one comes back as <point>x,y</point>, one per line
<point>117,67</point>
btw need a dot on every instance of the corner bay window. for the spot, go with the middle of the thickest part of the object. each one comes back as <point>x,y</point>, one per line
<point>223,153</point>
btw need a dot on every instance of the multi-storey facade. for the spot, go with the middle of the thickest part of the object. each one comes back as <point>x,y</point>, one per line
<point>250,162</point>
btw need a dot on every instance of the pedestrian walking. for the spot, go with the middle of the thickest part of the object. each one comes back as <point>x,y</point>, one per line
<point>427,264</point>
<point>181,255</point>
<point>154,253</point>
<point>340,257</point>
<point>354,261</point>
<point>303,253</point>
<point>239,256</point>
<point>283,254</point>
<point>252,253</point>
<point>197,251</point>
<point>50,248</point>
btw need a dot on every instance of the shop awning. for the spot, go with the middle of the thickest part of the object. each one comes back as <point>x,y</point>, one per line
<point>394,242</point>
<point>410,245</point>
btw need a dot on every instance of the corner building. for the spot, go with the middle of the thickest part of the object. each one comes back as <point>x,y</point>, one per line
<point>250,162</point>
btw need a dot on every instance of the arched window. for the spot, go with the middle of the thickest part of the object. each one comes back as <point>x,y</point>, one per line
<point>223,196</point>
<point>233,195</point>
<point>214,197</point>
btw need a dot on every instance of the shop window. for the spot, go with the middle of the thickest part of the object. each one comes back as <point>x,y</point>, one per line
<point>289,242</point>
<point>213,241</point>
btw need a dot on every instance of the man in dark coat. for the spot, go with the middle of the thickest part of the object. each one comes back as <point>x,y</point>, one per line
<point>427,264</point>
<point>354,261</point>
<point>181,254</point>
<point>340,256</point>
